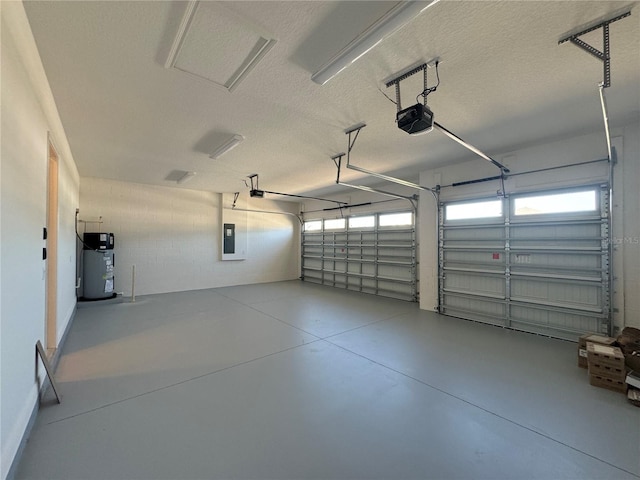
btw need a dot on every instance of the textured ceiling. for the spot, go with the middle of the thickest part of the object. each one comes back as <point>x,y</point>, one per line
<point>505,82</point>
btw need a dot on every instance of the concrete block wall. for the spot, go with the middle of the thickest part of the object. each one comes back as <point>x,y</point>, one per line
<point>29,120</point>
<point>174,236</point>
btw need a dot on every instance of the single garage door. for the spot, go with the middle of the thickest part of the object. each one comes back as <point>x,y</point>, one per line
<point>373,253</point>
<point>537,262</point>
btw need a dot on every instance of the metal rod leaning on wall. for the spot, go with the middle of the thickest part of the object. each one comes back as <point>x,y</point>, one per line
<point>47,366</point>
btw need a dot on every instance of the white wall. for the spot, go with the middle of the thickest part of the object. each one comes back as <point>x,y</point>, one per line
<point>28,117</point>
<point>173,236</point>
<point>629,220</point>
<point>626,202</point>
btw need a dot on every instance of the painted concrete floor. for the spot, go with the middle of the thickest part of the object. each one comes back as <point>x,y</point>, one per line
<point>291,380</point>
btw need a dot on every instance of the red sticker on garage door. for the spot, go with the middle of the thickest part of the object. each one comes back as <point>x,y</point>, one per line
<point>496,256</point>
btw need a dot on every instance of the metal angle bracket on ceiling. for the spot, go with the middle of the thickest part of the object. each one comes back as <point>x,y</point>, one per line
<point>412,71</point>
<point>351,142</point>
<point>605,55</point>
<point>337,160</point>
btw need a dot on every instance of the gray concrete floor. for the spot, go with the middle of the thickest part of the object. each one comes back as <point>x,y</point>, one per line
<point>293,380</point>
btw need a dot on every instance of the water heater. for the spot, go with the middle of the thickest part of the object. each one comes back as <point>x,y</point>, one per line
<point>98,266</point>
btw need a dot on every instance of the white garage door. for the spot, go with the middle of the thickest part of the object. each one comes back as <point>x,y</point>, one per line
<point>537,262</point>
<point>373,253</point>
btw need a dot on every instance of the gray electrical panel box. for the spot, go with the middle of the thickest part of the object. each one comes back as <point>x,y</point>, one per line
<point>229,238</point>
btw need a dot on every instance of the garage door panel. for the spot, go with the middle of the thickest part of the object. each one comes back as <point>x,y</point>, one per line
<point>334,265</point>
<point>566,325</point>
<point>477,258</point>
<point>551,269</point>
<point>392,287</point>
<point>579,243</point>
<point>560,232</point>
<point>479,309</point>
<point>492,285</point>
<point>582,295</point>
<point>565,261</point>
<point>474,234</point>
<point>391,271</point>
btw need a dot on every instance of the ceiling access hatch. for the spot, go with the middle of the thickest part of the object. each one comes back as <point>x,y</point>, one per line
<point>216,44</point>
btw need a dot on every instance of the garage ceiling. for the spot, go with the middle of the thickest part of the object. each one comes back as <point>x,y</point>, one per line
<point>505,82</point>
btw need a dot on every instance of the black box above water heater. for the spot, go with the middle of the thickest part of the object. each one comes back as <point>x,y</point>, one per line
<point>98,241</point>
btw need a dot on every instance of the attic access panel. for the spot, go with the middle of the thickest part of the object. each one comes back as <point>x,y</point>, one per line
<point>218,45</point>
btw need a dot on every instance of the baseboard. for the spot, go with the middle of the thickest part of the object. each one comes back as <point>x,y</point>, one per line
<point>36,407</point>
<point>63,339</point>
<point>23,442</point>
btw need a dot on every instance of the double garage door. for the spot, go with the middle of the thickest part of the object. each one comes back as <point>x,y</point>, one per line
<point>537,262</point>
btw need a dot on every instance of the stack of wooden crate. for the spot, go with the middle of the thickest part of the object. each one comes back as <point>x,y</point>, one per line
<point>629,341</point>
<point>613,363</point>
<point>591,338</point>
<point>606,367</point>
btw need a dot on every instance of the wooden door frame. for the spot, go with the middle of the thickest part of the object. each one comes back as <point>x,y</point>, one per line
<point>52,249</point>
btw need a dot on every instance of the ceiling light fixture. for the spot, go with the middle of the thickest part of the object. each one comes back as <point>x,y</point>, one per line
<point>393,20</point>
<point>230,144</point>
<point>186,177</point>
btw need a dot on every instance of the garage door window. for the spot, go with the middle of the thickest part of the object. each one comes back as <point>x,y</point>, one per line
<point>362,222</point>
<point>313,226</point>
<point>335,224</point>
<point>470,210</point>
<point>396,219</point>
<point>583,201</point>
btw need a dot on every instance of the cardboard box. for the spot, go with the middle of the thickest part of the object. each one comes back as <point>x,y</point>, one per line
<point>604,355</point>
<point>609,383</point>
<point>633,379</point>
<point>633,361</point>
<point>593,338</point>
<point>633,396</point>
<point>615,373</point>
